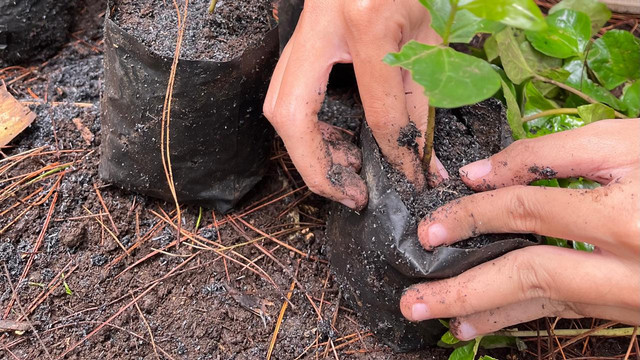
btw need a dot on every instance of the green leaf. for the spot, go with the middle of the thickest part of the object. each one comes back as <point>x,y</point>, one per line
<point>595,112</point>
<point>597,11</point>
<point>615,58</point>
<point>583,246</point>
<point>513,60</point>
<point>578,79</point>
<point>556,242</point>
<point>67,289</point>
<point>450,79</point>
<point>487,357</point>
<point>535,101</point>
<point>631,98</point>
<point>546,182</point>
<point>439,11</point>
<point>444,323</point>
<point>567,35</point>
<point>465,25</point>
<point>523,14</point>
<point>464,353</point>
<point>551,124</point>
<point>449,339</point>
<point>491,48</point>
<point>579,183</point>
<point>514,118</point>
<point>519,60</point>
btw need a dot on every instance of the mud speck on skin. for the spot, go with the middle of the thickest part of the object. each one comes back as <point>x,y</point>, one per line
<point>408,135</point>
<point>543,172</point>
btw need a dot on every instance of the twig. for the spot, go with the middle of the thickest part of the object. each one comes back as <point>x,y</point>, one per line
<point>544,113</point>
<point>280,318</point>
<point>617,332</point>
<point>428,139</point>
<point>146,324</point>
<point>104,206</point>
<point>633,340</point>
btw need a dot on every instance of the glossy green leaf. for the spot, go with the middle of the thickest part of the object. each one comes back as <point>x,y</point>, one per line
<point>522,14</point>
<point>583,246</point>
<point>615,58</point>
<point>597,11</point>
<point>449,339</point>
<point>498,342</point>
<point>487,357</point>
<point>535,102</point>
<point>567,35</point>
<point>464,352</point>
<point>595,112</point>
<point>546,182</point>
<point>552,124</point>
<point>631,98</point>
<point>450,79</point>
<point>578,183</point>
<point>465,25</point>
<point>556,242</point>
<point>578,79</point>
<point>444,323</point>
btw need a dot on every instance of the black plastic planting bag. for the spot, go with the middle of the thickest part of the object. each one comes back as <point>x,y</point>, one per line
<point>219,139</point>
<point>33,29</point>
<point>376,253</point>
<point>288,15</point>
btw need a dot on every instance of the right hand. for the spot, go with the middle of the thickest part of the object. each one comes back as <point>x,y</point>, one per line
<point>361,32</point>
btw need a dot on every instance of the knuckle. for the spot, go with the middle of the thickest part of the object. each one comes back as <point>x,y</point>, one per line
<point>521,210</point>
<point>533,280</point>
<point>362,12</point>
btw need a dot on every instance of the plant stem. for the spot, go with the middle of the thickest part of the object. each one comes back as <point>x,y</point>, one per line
<point>627,331</point>
<point>570,89</point>
<point>447,28</point>
<point>212,6</point>
<point>544,113</point>
<point>428,139</point>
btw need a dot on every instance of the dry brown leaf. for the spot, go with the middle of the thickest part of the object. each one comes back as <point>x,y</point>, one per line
<point>87,135</point>
<point>14,117</point>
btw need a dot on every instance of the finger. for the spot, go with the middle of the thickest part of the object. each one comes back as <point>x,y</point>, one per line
<point>591,216</point>
<point>547,272</point>
<point>470,326</point>
<point>294,117</point>
<point>343,152</point>
<point>372,34</point>
<point>597,151</point>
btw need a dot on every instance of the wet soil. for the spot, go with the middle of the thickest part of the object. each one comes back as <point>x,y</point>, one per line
<point>220,36</point>
<point>207,308</point>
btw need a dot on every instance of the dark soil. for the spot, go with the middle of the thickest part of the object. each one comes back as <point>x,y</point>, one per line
<point>233,27</point>
<point>208,308</point>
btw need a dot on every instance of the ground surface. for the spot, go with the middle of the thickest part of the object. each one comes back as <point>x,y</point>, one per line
<point>88,298</point>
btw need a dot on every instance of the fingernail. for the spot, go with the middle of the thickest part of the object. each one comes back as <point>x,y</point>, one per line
<point>419,312</point>
<point>443,172</point>
<point>348,203</point>
<point>437,235</point>
<point>476,169</point>
<point>466,332</point>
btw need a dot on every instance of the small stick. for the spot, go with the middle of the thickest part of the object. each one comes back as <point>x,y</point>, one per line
<point>10,325</point>
<point>633,340</point>
<point>153,342</point>
<point>104,206</point>
<point>428,139</point>
<point>281,317</point>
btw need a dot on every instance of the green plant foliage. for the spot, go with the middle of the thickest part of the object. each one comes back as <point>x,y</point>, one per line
<point>514,63</point>
<point>450,79</point>
<point>567,35</point>
<point>523,14</point>
<point>464,26</point>
<point>579,79</point>
<point>631,98</point>
<point>594,112</point>
<point>464,352</point>
<point>499,342</point>
<point>597,11</point>
<point>449,339</point>
<point>615,58</point>
<point>487,357</point>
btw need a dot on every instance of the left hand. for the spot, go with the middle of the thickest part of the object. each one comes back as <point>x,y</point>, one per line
<point>540,281</point>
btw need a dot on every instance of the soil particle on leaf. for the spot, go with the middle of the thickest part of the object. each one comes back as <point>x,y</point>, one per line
<point>221,36</point>
<point>408,135</point>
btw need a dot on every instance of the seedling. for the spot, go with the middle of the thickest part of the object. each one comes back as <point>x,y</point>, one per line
<point>553,74</point>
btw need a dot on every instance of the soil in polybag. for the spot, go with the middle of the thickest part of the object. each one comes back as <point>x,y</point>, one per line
<point>376,254</point>
<point>33,30</point>
<point>219,140</point>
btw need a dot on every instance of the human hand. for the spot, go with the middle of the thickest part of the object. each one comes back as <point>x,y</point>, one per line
<point>362,33</point>
<point>540,281</point>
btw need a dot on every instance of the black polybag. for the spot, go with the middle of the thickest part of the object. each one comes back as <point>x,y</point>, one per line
<point>219,140</point>
<point>33,29</point>
<point>376,254</point>
<point>288,15</point>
